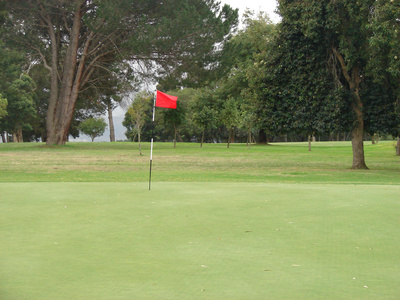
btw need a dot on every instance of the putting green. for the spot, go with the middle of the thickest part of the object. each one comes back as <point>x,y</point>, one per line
<point>199,241</point>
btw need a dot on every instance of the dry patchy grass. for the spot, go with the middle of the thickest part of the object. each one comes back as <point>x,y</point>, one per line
<point>290,162</point>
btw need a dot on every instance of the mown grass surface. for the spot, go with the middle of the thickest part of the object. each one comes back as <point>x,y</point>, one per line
<point>199,241</point>
<point>121,162</point>
<point>270,222</point>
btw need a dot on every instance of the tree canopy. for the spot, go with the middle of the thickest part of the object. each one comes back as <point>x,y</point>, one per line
<point>319,70</point>
<point>75,38</point>
<point>328,68</point>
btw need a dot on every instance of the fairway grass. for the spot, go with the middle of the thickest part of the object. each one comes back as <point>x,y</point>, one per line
<point>270,222</point>
<point>199,241</point>
<point>328,162</point>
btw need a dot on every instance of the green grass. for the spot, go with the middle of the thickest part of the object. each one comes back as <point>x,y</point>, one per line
<point>270,222</point>
<point>328,162</point>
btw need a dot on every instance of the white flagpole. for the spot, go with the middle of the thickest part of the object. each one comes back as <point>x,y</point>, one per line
<point>151,145</point>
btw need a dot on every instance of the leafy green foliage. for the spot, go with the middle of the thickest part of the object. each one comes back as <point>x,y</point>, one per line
<point>174,118</point>
<point>315,79</point>
<point>21,108</point>
<point>384,60</point>
<point>75,40</point>
<point>3,106</point>
<point>230,117</point>
<point>93,127</point>
<point>135,117</point>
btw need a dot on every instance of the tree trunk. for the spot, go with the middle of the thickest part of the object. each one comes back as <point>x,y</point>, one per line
<point>63,98</point>
<point>20,137</point>
<point>357,137</point>
<point>249,138</point>
<point>229,137</point>
<point>358,148</point>
<point>3,137</point>
<point>262,137</point>
<point>309,143</point>
<point>175,136</point>
<point>17,136</point>
<point>140,145</point>
<point>375,138</point>
<point>398,146</point>
<point>357,142</point>
<point>111,122</point>
<point>202,139</point>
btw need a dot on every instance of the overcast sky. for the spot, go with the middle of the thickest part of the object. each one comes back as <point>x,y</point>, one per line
<point>267,6</point>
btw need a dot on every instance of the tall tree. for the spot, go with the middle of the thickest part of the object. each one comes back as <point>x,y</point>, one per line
<point>247,45</point>
<point>349,36</point>
<point>206,110</point>
<point>343,28</point>
<point>74,38</point>
<point>292,80</point>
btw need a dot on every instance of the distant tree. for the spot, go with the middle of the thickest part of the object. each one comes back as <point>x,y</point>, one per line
<point>188,129</point>
<point>248,120</point>
<point>93,127</point>
<point>106,93</point>
<point>206,118</point>
<point>206,113</point>
<point>175,117</point>
<point>135,117</point>
<point>231,117</point>
<point>247,46</point>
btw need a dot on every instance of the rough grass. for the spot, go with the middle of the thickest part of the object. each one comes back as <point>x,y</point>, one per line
<point>121,162</point>
<point>270,222</point>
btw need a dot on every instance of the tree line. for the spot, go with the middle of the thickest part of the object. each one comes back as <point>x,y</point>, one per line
<point>329,68</point>
<point>84,55</point>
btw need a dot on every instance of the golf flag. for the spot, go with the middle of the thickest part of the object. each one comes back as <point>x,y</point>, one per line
<point>165,100</point>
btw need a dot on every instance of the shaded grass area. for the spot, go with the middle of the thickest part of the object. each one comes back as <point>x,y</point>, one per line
<point>199,241</point>
<point>328,162</point>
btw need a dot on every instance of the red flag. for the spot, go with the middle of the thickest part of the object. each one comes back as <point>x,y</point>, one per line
<point>164,100</point>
